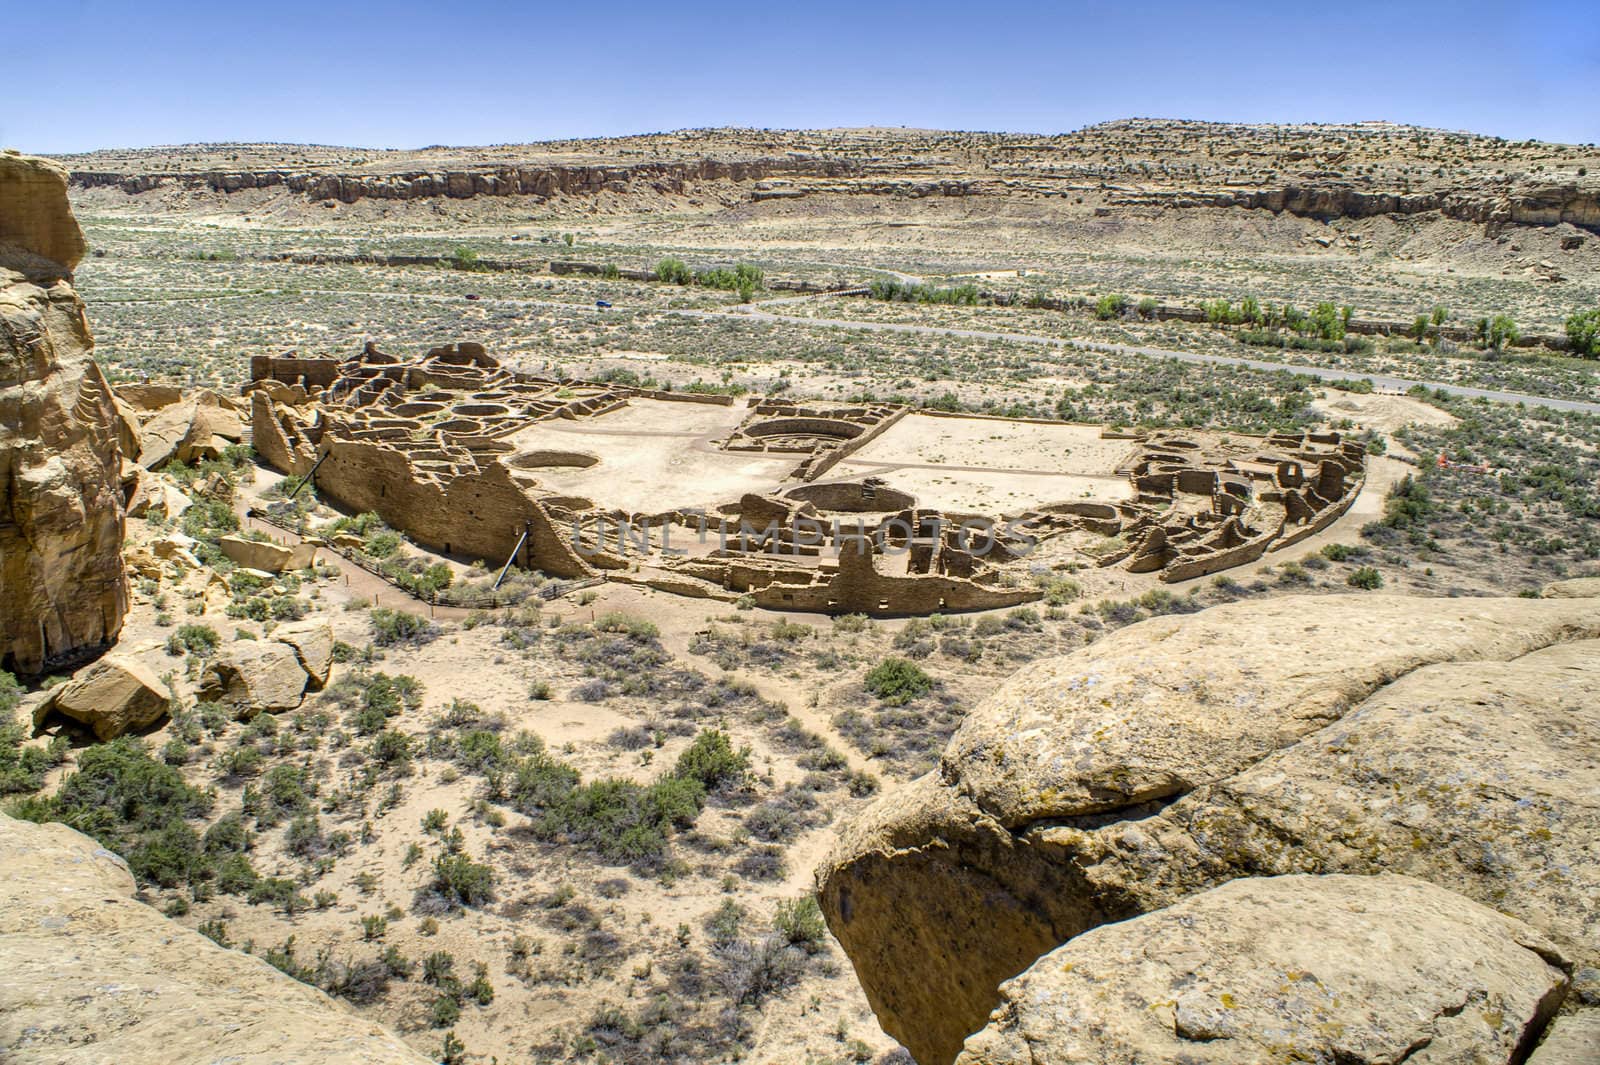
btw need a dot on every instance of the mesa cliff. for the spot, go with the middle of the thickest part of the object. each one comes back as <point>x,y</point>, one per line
<point>63,592</point>
<point>1194,794</point>
<point>1327,172</point>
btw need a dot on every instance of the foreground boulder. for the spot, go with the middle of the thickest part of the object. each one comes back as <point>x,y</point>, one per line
<point>255,676</point>
<point>1454,740</point>
<point>63,592</point>
<point>113,696</point>
<point>1349,969</point>
<point>92,976</point>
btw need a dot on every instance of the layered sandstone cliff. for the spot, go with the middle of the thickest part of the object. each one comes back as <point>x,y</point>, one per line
<point>62,589</point>
<point>92,975</point>
<point>1450,740</point>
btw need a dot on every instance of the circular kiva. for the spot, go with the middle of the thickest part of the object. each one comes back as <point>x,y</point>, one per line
<point>801,427</point>
<point>852,497</point>
<point>539,460</point>
<point>480,410</point>
<point>416,410</point>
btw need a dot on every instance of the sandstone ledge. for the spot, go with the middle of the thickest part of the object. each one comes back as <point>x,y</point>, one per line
<point>1447,739</point>
<point>93,976</point>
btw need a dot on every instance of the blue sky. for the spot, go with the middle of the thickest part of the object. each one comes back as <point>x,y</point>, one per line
<point>88,74</point>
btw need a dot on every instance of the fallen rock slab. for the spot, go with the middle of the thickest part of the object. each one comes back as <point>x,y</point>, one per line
<point>1573,1039</point>
<point>266,556</point>
<point>113,696</point>
<point>1348,969</point>
<point>313,647</point>
<point>255,676</point>
<point>92,976</point>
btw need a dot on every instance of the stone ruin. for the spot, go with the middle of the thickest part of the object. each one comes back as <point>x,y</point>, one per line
<point>428,445</point>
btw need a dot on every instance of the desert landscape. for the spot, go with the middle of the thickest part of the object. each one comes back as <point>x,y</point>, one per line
<point>803,596</point>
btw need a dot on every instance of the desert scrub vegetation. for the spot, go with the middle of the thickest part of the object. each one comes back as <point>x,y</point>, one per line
<point>621,820</point>
<point>1522,507</point>
<point>897,681</point>
<point>140,808</point>
<point>23,766</point>
<point>391,628</point>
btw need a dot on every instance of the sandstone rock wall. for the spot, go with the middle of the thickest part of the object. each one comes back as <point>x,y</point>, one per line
<point>1451,740</point>
<point>63,593</point>
<point>33,210</point>
<point>93,976</point>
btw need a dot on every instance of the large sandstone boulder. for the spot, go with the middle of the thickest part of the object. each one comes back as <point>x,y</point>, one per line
<point>266,556</point>
<point>254,676</point>
<point>63,593</point>
<point>1454,740</point>
<point>115,695</point>
<point>313,647</point>
<point>34,214</point>
<point>191,431</point>
<point>1349,969</point>
<point>91,976</point>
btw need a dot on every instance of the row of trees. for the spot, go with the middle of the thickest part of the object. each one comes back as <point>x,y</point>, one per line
<point>744,278</point>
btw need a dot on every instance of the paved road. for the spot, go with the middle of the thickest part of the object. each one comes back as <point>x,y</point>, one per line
<point>1322,373</point>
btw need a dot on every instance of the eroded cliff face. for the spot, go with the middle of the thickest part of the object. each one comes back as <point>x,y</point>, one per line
<point>63,591</point>
<point>92,975</point>
<point>1450,740</point>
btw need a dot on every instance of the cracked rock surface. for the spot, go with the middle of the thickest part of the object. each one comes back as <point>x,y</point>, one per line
<point>1454,740</point>
<point>1357,970</point>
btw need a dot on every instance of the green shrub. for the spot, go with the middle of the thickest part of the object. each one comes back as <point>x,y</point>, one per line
<point>462,881</point>
<point>193,639</point>
<point>1583,334</point>
<point>391,627</point>
<point>1497,332</point>
<point>1108,307</point>
<point>134,805</point>
<point>1365,578</point>
<point>799,922</point>
<point>23,766</point>
<point>897,681</point>
<point>673,272</point>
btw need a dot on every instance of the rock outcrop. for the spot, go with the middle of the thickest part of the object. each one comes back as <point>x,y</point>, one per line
<point>1452,740</point>
<point>271,674</point>
<point>63,593</point>
<point>1350,969</point>
<point>190,431</point>
<point>34,214</point>
<point>93,976</point>
<point>113,696</point>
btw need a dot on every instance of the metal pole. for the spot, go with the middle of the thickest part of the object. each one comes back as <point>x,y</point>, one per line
<point>309,475</point>
<point>514,552</point>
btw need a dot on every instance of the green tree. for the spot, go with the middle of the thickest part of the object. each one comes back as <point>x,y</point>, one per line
<point>1583,334</point>
<point>673,272</point>
<point>1500,331</point>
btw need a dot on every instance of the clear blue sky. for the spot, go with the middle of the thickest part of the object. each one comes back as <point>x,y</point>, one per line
<point>87,74</point>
